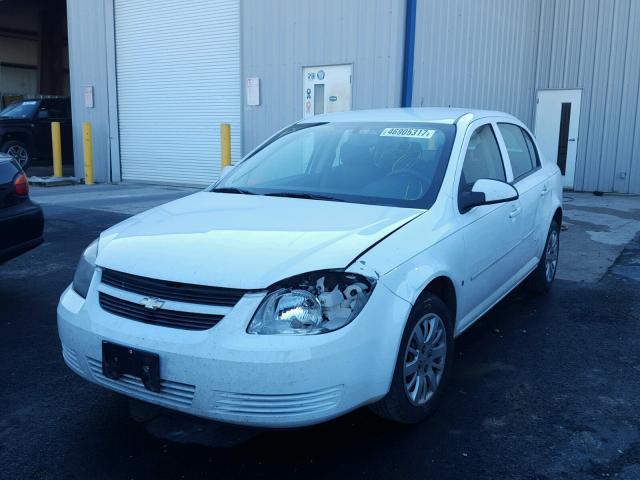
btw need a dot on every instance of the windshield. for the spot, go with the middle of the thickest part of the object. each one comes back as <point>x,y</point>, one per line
<point>20,110</point>
<point>375,163</point>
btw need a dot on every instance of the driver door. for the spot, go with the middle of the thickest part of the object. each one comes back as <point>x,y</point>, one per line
<point>491,233</point>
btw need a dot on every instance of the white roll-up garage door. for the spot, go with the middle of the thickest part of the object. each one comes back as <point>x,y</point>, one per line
<point>178,78</point>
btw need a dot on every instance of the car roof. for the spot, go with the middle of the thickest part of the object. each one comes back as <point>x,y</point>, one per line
<point>423,114</point>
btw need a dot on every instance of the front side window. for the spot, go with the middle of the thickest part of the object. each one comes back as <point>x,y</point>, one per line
<point>483,159</point>
<point>21,110</point>
<point>522,159</point>
<point>373,163</point>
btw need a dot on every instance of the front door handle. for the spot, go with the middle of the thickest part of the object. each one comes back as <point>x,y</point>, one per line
<point>515,212</point>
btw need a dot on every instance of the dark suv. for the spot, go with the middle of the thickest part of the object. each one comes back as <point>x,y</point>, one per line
<point>25,129</point>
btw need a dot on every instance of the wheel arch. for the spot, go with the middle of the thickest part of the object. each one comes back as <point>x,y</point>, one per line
<point>557,216</point>
<point>23,137</point>
<point>443,287</point>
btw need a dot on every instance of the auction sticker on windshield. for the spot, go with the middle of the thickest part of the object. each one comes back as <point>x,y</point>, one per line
<point>407,132</point>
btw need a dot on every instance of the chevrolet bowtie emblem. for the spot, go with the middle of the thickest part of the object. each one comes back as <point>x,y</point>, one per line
<point>151,303</point>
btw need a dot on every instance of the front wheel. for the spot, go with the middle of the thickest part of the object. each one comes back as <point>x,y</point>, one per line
<point>19,151</point>
<point>423,364</point>
<point>542,277</point>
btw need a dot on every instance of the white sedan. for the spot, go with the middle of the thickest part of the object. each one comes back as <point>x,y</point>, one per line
<point>332,268</point>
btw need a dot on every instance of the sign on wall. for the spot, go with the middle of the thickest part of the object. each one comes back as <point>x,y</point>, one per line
<point>326,89</point>
<point>88,96</point>
<point>253,91</point>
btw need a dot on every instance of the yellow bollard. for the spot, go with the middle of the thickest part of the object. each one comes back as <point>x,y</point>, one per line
<point>88,153</point>
<point>56,146</point>
<point>225,145</point>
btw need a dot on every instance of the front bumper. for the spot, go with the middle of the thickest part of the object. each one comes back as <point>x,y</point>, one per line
<point>226,374</point>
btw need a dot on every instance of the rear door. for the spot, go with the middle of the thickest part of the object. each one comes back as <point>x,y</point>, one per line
<point>533,187</point>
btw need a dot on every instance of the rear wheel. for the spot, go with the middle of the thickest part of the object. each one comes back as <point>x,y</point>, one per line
<point>19,151</point>
<point>422,366</point>
<point>542,277</point>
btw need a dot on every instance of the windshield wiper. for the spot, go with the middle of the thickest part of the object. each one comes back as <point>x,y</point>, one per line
<point>311,196</point>
<point>233,190</point>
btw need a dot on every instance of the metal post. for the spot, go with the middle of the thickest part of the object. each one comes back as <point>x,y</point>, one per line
<point>88,153</point>
<point>225,145</point>
<point>56,146</point>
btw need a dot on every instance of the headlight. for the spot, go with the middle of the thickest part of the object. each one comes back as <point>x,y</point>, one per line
<point>317,302</point>
<point>84,271</point>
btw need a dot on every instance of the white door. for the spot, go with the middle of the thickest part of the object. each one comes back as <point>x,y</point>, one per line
<point>557,122</point>
<point>533,187</point>
<point>326,89</point>
<point>491,232</point>
<point>178,78</point>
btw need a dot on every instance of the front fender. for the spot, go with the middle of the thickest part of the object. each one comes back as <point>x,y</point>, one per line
<point>443,259</point>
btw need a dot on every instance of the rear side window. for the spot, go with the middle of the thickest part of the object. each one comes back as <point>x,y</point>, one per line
<point>7,171</point>
<point>522,153</point>
<point>483,159</point>
<point>54,109</point>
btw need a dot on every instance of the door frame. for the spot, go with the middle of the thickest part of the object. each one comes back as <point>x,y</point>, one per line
<point>568,179</point>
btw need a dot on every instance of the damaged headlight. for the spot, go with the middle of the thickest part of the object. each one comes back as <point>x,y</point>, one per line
<point>84,271</point>
<point>318,302</point>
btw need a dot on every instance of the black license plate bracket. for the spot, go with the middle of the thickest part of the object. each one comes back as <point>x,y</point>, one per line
<point>118,360</point>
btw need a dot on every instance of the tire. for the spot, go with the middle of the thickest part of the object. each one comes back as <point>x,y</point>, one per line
<point>541,279</point>
<point>403,403</point>
<point>19,151</point>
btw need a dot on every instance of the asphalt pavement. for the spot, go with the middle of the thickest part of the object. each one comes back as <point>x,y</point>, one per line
<point>543,387</point>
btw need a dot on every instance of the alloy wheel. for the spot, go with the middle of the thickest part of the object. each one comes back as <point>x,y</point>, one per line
<point>424,359</point>
<point>19,153</point>
<point>551,256</point>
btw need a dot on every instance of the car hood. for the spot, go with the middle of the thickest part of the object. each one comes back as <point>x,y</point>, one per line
<point>245,241</point>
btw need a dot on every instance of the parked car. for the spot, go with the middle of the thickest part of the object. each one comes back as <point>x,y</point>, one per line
<point>21,220</point>
<point>332,268</point>
<point>25,129</point>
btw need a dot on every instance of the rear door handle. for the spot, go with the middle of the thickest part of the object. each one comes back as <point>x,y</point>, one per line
<point>515,212</point>
<point>544,191</point>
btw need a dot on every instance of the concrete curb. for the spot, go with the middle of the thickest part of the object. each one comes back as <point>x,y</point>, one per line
<point>54,181</point>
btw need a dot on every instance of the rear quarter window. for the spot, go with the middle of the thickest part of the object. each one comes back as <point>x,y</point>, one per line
<point>7,171</point>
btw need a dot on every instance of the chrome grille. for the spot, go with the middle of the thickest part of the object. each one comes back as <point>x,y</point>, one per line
<point>162,317</point>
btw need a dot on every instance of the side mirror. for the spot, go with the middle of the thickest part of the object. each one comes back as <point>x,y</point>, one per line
<point>486,192</point>
<point>226,170</point>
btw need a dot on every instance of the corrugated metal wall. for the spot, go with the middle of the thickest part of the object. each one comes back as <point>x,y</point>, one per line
<point>595,45</point>
<point>497,53</point>
<point>477,53</point>
<point>280,37</point>
<point>88,66</point>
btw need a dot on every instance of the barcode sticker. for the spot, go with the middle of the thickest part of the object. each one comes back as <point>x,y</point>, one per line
<point>407,132</point>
